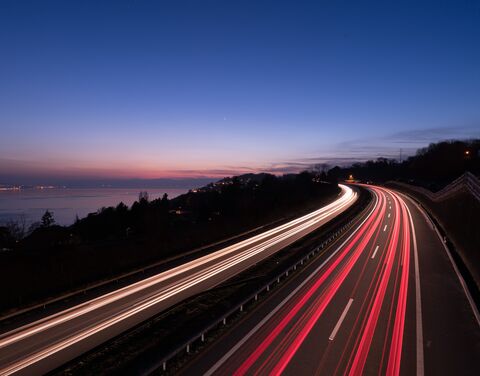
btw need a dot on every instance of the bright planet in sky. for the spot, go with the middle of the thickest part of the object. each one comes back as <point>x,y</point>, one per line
<point>133,89</point>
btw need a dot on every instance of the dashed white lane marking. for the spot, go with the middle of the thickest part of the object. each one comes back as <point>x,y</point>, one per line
<point>245,338</point>
<point>375,252</point>
<point>340,320</point>
<point>385,228</point>
<point>388,215</point>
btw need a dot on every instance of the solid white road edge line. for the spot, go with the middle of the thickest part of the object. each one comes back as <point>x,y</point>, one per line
<point>476,314</point>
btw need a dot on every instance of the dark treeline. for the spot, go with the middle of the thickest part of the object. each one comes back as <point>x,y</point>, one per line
<point>432,167</point>
<point>52,258</point>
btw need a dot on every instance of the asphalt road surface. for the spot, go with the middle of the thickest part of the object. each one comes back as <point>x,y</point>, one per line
<point>45,344</point>
<point>386,300</point>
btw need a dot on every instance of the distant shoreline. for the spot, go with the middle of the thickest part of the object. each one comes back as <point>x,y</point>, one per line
<point>170,183</point>
<point>66,203</point>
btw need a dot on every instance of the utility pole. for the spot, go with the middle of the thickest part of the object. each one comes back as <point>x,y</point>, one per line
<point>400,155</point>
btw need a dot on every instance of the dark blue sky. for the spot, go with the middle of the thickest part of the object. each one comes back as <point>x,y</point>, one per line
<point>190,88</point>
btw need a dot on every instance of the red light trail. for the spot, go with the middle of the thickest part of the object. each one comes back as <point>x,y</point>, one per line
<point>383,298</point>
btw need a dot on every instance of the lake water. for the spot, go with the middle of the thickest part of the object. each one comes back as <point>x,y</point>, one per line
<point>66,203</point>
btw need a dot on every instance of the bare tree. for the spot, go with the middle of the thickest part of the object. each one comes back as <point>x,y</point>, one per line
<point>321,167</point>
<point>17,227</point>
<point>143,196</point>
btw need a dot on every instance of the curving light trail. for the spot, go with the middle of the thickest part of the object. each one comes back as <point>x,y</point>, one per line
<point>44,344</point>
<point>374,291</point>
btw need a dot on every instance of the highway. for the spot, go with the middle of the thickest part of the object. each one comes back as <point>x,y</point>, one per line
<point>43,345</point>
<point>384,299</point>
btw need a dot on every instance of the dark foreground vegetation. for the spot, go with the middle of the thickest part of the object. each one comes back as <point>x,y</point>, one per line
<point>54,259</point>
<point>146,345</point>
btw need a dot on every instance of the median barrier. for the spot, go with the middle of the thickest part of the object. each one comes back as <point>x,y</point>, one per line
<point>185,348</point>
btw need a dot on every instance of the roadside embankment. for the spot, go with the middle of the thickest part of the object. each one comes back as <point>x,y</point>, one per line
<point>75,272</point>
<point>458,216</point>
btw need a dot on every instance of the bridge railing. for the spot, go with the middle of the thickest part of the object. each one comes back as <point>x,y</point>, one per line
<point>467,182</point>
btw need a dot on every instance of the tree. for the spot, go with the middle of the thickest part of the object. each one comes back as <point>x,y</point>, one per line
<point>143,197</point>
<point>321,168</point>
<point>7,240</point>
<point>33,227</point>
<point>17,228</point>
<point>121,208</point>
<point>334,174</point>
<point>47,219</point>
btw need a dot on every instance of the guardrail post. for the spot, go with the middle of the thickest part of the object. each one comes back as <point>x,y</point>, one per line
<point>278,280</point>
<point>224,321</point>
<point>203,337</point>
<point>241,307</point>
<point>188,349</point>
<point>256,297</point>
<point>268,287</point>
<point>286,273</point>
<point>164,366</point>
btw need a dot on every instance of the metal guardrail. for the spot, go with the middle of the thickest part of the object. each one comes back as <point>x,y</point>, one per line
<point>186,346</point>
<point>466,182</point>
